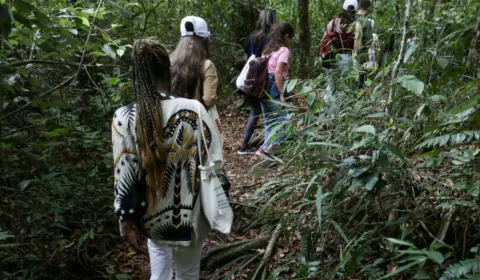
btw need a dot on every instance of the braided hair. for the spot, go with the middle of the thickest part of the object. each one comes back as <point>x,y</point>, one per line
<point>151,64</point>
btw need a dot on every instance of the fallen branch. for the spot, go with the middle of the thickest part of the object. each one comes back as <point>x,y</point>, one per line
<point>268,253</point>
<point>228,252</point>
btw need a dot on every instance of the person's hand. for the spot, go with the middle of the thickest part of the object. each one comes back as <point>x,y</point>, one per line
<point>282,98</point>
<point>131,236</point>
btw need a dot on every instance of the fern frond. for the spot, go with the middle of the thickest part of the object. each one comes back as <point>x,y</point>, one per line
<point>461,269</point>
<point>450,139</point>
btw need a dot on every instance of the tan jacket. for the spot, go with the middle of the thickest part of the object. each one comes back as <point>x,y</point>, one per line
<point>210,83</point>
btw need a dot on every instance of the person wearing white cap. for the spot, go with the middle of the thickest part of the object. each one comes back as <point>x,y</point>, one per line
<point>193,74</point>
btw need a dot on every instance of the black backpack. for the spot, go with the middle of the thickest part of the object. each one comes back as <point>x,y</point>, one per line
<point>256,82</point>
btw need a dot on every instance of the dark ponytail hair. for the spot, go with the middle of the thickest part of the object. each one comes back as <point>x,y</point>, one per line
<point>347,17</point>
<point>276,38</point>
<point>265,21</point>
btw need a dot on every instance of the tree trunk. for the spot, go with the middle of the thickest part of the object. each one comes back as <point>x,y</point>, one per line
<point>305,40</point>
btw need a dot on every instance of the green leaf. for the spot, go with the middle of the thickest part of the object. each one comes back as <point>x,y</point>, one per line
<point>24,185</point>
<point>113,81</point>
<point>134,4</point>
<point>120,52</point>
<point>10,245</point>
<point>109,51</point>
<point>85,21</point>
<point>404,268</point>
<point>359,171</point>
<point>421,276</point>
<point>30,257</point>
<point>435,256</point>
<point>366,129</point>
<point>380,115</point>
<point>400,242</point>
<point>318,203</point>
<point>23,7</point>
<point>383,161</point>
<point>372,180</point>
<point>412,84</point>
<point>442,62</point>
<point>439,98</point>
<point>291,85</point>
<point>123,277</point>
<point>410,50</point>
<point>240,102</point>
<point>57,132</point>
<point>457,271</point>
<point>475,190</point>
<point>97,53</point>
<point>4,235</point>
<point>73,31</point>
<point>464,106</point>
<point>423,107</point>
<point>394,150</point>
<point>340,231</point>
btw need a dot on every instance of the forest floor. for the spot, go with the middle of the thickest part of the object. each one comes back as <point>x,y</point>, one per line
<point>246,174</point>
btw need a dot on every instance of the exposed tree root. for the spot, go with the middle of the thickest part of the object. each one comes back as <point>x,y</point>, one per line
<point>228,252</point>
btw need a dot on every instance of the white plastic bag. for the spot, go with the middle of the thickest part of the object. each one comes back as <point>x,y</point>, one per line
<point>215,204</point>
<point>243,75</point>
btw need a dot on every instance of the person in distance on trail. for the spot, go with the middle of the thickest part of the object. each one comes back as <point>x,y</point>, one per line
<point>343,28</point>
<point>194,75</point>
<point>156,159</point>
<point>280,42</point>
<point>255,44</point>
<point>363,37</point>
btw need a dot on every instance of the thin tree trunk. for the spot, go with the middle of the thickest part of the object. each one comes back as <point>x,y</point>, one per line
<point>400,54</point>
<point>305,40</point>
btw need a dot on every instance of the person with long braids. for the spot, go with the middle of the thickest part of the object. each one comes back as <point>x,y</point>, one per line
<point>156,159</point>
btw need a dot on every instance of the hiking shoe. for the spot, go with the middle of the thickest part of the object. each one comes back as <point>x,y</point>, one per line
<point>246,151</point>
<point>267,156</point>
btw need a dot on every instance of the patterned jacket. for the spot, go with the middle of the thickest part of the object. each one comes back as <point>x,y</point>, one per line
<point>178,212</point>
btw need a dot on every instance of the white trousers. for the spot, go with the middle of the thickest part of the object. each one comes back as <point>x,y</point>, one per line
<point>187,261</point>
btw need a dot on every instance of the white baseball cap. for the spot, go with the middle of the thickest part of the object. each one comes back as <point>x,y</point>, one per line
<point>348,3</point>
<point>194,26</point>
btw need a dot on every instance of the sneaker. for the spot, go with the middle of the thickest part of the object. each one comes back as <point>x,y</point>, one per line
<point>267,156</point>
<point>246,151</point>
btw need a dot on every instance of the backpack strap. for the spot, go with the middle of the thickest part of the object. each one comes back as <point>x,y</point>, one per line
<point>251,45</point>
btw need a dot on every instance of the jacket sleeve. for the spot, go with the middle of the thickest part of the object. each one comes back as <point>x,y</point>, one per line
<point>210,84</point>
<point>129,185</point>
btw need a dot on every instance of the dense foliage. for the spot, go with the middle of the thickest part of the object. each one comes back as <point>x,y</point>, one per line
<point>377,188</point>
